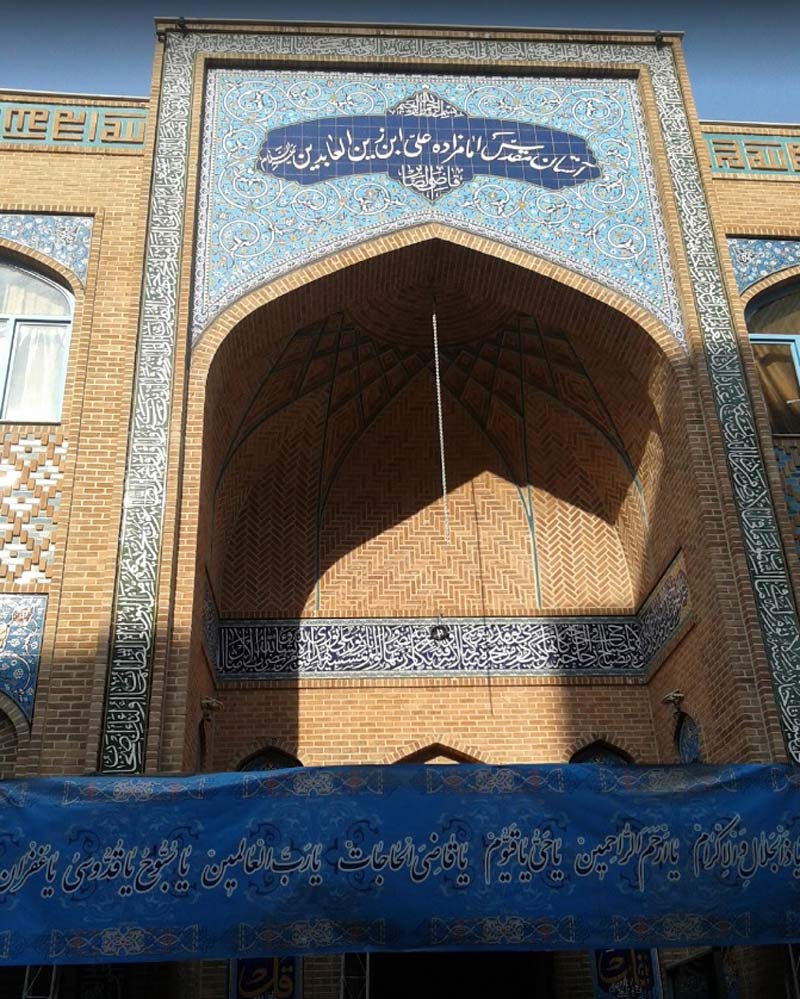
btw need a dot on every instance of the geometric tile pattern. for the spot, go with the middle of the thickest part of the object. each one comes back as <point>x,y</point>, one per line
<point>130,662</point>
<point>754,259</point>
<point>253,227</point>
<point>586,646</point>
<point>64,238</point>
<point>21,624</point>
<point>756,155</point>
<point>31,473</point>
<point>72,125</point>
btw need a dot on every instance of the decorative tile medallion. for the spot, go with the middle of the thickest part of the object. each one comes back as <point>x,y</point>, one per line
<point>129,674</point>
<point>31,473</point>
<point>63,238</point>
<point>755,259</point>
<point>560,646</point>
<point>299,164</point>
<point>125,942</point>
<point>21,624</point>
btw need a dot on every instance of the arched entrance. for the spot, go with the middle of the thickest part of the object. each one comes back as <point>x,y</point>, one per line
<point>312,500</point>
<point>570,479</point>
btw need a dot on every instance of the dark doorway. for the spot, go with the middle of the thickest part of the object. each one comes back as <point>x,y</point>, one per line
<point>461,976</point>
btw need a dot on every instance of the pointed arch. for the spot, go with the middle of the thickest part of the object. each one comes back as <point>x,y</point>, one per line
<point>435,752</point>
<point>269,758</point>
<point>602,752</point>
<point>327,269</point>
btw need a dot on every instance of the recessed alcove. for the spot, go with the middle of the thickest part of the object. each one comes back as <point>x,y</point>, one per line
<point>321,560</point>
<point>325,495</point>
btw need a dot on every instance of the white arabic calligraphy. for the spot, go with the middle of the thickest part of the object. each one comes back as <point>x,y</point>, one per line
<point>501,145</point>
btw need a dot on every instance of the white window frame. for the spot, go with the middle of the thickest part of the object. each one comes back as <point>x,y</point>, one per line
<point>793,339</point>
<point>8,343</point>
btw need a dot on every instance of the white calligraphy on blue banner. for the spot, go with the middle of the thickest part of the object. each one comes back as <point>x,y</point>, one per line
<point>398,857</point>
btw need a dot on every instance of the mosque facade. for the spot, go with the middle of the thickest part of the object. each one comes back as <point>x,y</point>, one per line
<point>388,394</point>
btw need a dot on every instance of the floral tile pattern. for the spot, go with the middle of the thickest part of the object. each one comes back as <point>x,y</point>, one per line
<point>21,624</point>
<point>755,259</point>
<point>64,238</point>
<point>254,225</point>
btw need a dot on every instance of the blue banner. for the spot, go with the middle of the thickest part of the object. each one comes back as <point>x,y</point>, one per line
<point>308,861</point>
<point>428,145</point>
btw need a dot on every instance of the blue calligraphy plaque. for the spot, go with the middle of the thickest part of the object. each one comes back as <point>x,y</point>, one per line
<point>429,146</point>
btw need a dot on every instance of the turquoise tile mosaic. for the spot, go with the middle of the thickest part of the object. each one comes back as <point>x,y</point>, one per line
<point>63,238</point>
<point>755,259</point>
<point>296,166</point>
<point>21,624</point>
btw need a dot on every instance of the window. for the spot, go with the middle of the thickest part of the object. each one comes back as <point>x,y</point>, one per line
<point>602,754</point>
<point>35,324</point>
<point>269,758</point>
<point>773,320</point>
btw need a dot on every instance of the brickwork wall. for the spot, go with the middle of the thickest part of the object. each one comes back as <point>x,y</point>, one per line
<point>259,550</point>
<point>753,205</point>
<point>381,549</point>
<point>502,721</point>
<point>572,974</point>
<point>31,472</point>
<point>61,508</point>
<point>322,976</point>
<point>8,747</point>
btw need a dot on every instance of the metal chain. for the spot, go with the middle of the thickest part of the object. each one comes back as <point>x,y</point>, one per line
<point>441,428</point>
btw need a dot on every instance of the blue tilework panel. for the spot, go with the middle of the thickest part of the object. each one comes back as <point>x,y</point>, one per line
<point>210,625</point>
<point>755,259</point>
<point>788,457</point>
<point>63,238</point>
<point>21,624</point>
<point>579,646</point>
<point>559,168</point>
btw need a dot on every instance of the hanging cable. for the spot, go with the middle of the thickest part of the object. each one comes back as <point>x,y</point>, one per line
<point>441,425</point>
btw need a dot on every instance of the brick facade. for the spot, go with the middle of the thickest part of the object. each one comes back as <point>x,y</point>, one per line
<point>584,455</point>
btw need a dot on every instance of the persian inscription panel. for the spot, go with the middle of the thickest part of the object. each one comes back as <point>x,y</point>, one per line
<point>297,165</point>
<point>585,646</point>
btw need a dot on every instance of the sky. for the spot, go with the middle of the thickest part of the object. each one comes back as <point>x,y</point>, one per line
<point>743,58</point>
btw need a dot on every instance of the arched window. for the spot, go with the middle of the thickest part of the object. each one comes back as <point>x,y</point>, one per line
<point>773,320</point>
<point>35,325</point>
<point>602,753</point>
<point>270,758</point>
